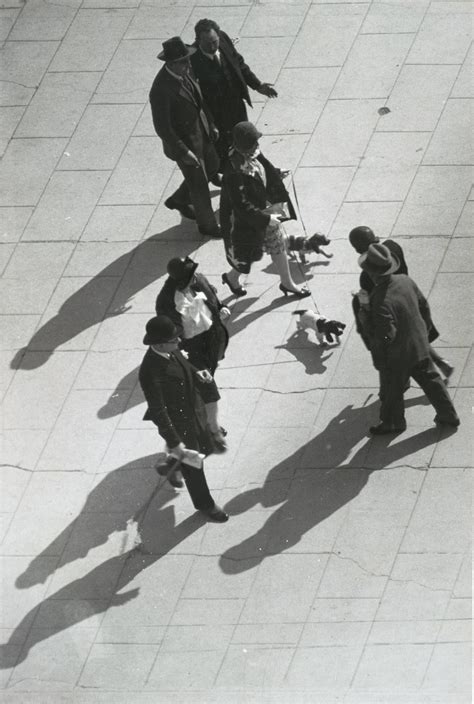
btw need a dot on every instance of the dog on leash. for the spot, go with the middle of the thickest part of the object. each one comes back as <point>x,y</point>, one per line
<point>303,245</point>
<point>325,330</point>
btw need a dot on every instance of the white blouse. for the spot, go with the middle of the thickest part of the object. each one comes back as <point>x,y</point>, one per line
<point>195,315</point>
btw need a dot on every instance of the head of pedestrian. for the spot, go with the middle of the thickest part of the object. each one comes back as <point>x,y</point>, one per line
<point>245,138</point>
<point>378,261</point>
<point>162,334</point>
<point>176,55</point>
<point>361,238</point>
<point>207,36</point>
<point>181,271</point>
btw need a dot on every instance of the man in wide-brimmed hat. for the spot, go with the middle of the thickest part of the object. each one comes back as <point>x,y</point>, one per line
<point>399,319</point>
<point>171,388</point>
<point>185,126</point>
<point>361,237</point>
<point>191,301</point>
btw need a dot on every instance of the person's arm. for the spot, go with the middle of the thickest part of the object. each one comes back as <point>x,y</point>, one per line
<point>160,102</point>
<point>382,335</point>
<point>240,203</point>
<point>158,411</point>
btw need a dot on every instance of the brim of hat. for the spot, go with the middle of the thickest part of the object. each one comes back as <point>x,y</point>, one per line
<point>191,50</point>
<point>150,340</point>
<point>365,265</point>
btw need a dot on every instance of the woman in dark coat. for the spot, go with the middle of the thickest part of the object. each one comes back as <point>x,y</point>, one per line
<point>250,185</point>
<point>190,301</point>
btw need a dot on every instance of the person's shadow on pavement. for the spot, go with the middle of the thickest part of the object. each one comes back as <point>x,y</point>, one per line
<point>106,295</point>
<point>129,500</point>
<point>322,485</point>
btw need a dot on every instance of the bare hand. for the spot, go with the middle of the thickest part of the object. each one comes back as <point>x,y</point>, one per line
<point>274,221</point>
<point>191,159</point>
<point>224,313</point>
<point>268,90</point>
<point>205,376</point>
<point>178,450</point>
<point>214,134</point>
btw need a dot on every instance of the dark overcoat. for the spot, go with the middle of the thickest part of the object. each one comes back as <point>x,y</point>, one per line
<point>174,401</point>
<point>400,319</point>
<point>241,75</point>
<point>165,305</point>
<point>244,197</point>
<point>181,117</point>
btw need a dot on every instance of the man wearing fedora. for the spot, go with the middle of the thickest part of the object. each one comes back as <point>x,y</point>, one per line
<point>361,238</point>
<point>191,302</point>
<point>185,126</point>
<point>399,322</point>
<point>171,388</point>
<point>224,79</point>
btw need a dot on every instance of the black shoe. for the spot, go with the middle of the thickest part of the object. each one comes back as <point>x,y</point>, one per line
<point>214,233</point>
<point>175,479</point>
<point>238,291</point>
<point>216,514</point>
<point>218,441</point>
<point>302,293</point>
<point>384,429</point>
<point>186,210</point>
<point>453,422</point>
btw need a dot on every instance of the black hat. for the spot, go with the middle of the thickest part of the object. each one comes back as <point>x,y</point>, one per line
<point>175,49</point>
<point>181,270</point>
<point>245,134</point>
<point>160,329</point>
<point>379,260</point>
<point>361,237</point>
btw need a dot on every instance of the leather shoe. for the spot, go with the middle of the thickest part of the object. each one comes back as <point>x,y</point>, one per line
<point>216,514</point>
<point>214,233</point>
<point>175,479</point>
<point>453,422</point>
<point>186,210</point>
<point>218,441</point>
<point>384,429</point>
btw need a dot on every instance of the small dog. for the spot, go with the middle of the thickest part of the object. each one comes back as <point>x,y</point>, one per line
<point>325,330</point>
<point>307,244</point>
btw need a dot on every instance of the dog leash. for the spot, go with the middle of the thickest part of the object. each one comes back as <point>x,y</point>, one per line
<point>293,188</point>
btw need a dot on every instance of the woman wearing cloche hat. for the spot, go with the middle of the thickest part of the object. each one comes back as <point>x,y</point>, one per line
<point>254,201</point>
<point>191,302</point>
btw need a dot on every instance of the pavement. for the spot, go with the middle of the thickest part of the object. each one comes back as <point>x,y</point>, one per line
<point>344,572</point>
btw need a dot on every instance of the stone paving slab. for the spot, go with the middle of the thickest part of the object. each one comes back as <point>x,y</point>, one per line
<point>344,573</point>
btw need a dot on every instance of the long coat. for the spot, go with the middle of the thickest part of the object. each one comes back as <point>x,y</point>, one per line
<point>400,319</point>
<point>244,196</point>
<point>181,118</point>
<point>165,305</point>
<point>174,402</point>
<point>241,75</point>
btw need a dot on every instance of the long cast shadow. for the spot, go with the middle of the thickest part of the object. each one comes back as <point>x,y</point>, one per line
<point>105,295</point>
<point>322,485</point>
<point>115,502</point>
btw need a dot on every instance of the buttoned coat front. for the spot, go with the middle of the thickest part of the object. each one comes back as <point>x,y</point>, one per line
<point>181,118</point>
<point>174,402</point>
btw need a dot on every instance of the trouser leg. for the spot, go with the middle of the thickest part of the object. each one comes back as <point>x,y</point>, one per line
<point>196,485</point>
<point>392,407</point>
<point>198,189</point>
<point>425,374</point>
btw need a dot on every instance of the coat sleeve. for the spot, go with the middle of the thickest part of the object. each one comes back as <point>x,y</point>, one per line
<point>382,335</point>
<point>425,313</point>
<point>249,77</point>
<point>160,101</point>
<point>241,204</point>
<point>157,410</point>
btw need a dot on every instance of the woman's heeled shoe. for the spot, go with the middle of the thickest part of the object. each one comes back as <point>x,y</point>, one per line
<point>302,293</point>
<point>238,291</point>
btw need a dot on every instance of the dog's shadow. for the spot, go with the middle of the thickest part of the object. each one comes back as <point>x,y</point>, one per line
<point>311,355</point>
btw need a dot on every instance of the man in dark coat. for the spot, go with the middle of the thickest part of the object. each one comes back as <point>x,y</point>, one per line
<point>361,238</point>
<point>171,388</point>
<point>400,319</point>
<point>185,125</point>
<point>225,79</point>
<point>192,304</point>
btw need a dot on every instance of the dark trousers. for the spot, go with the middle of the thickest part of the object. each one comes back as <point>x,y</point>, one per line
<point>196,484</point>
<point>195,190</point>
<point>392,386</point>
